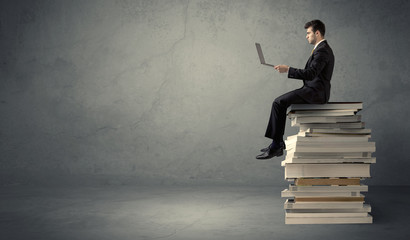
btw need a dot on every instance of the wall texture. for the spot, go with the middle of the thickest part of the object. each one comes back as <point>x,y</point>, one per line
<point>172,92</point>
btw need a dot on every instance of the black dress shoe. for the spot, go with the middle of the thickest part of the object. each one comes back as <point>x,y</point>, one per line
<point>272,152</point>
<point>282,144</point>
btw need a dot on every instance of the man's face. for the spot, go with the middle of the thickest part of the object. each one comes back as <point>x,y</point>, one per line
<point>310,36</point>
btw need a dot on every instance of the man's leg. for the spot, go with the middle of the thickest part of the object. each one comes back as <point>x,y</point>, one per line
<point>277,122</point>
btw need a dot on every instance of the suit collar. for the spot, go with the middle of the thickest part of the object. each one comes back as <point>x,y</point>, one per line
<point>320,43</point>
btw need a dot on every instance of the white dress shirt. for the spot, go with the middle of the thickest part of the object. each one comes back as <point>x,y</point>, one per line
<point>318,43</point>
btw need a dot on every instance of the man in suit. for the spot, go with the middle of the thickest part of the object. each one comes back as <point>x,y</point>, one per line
<point>316,87</point>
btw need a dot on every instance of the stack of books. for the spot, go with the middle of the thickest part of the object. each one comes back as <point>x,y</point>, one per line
<point>325,162</point>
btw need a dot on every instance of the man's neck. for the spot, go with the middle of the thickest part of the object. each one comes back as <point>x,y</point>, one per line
<point>319,41</point>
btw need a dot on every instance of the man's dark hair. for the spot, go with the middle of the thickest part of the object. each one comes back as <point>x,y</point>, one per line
<point>316,25</point>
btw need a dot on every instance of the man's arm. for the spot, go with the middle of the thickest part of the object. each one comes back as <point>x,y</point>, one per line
<point>320,59</point>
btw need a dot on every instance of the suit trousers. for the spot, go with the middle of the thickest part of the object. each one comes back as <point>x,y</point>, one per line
<point>277,120</point>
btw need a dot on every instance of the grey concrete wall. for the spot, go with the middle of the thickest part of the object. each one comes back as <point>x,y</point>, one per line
<point>171,92</point>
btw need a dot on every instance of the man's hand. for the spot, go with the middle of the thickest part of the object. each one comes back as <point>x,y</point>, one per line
<point>282,68</point>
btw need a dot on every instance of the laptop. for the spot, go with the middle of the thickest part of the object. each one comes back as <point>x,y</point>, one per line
<point>261,58</point>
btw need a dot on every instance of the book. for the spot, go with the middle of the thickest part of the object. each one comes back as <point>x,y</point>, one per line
<point>330,199</point>
<point>362,208</point>
<point>330,135</point>
<point>330,154</point>
<point>329,138</point>
<point>327,160</point>
<point>359,170</point>
<point>327,106</point>
<point>328,220</point>
<point>291,204</point>
<point>331,147</point>
<point>293,154</point>
<point>356,188</point>
<point>330,144</point>
<point>327,181</point>
<point>352,131</point>
<point>334,213</point>
<point>321,113</point>
<point>348,125</point>
<point>296,121</point>
<point>318,194</point>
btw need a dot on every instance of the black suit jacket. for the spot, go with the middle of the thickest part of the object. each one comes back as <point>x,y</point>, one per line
<point>316,75</point>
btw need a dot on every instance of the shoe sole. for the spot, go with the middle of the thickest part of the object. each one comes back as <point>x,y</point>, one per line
<point>277,155</point>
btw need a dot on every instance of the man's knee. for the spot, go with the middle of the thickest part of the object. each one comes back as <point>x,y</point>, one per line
<point>280,102</point>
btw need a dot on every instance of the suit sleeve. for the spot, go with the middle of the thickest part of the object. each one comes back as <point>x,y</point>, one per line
<point>320,59</point>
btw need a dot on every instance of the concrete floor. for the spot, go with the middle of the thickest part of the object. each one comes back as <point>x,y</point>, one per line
<point>129,212</point>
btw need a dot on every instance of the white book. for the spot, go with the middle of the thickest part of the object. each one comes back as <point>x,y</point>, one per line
<point>327,106</point>
<point>335,188</point>
<point>332,135</point>
<point>329,147</point>
<point>292,154</point>
<point>291,214</point>
<point>316,113</point>
<point>316,134</point>
<point>350,125</point>
<point>328,160</point>
<point>329,220</point>
<point>360,170</point>
<point>355,131</point>
<point>366,208</point>
<point>332,144</point>
<point>289,194</point>
<point>296,121</point>
<point>329,139</point>
<point>290,204</point>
